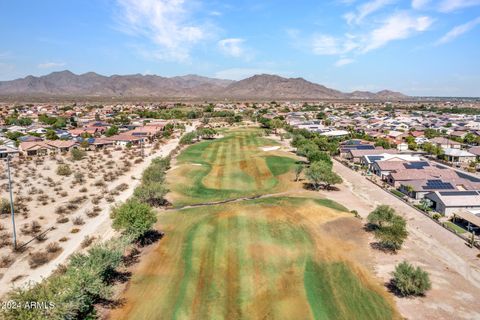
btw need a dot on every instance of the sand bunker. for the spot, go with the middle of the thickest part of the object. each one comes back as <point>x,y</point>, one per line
<point>270,148</point>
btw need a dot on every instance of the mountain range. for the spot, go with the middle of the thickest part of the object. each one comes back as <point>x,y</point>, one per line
<point>263,86</point>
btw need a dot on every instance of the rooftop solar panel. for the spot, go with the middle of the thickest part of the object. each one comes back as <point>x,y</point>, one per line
<point>458,193</point>
<point>416,165</point>
<point>468,177</point>
<point>438,185</point>
<point>375,158</point>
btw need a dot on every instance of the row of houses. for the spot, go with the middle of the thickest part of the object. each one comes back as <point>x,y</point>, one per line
<point>446,190</point>
<point>34,145</point>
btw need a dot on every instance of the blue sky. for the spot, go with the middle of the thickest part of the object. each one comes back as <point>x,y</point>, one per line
<point>419,47</point>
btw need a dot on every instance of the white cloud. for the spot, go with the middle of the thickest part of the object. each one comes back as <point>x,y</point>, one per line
<point>164,22</point>
<point>453,5</point>
<point>458,31</point>
<point>420,4</point>
<point>328,45</point>
<point>366,9</point>
<point>343,62</point>
<point>233,47</point>
<point>49,65</point>
<point>396,27</point>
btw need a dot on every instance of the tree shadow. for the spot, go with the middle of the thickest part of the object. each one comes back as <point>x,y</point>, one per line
<point>149,237</point>
<point>380,247</point>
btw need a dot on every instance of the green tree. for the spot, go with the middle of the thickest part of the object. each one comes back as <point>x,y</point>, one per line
<point>113,130</point>
<point>133,217</point>
<point>151,193</point>
<point>381,215</point>
<point>276,124</point>
<point>51,135</point>
<point>320,173</point>
<point>188,138</point>
<point>317,155</point>
<point>390,229</point>
<point>410,280</point>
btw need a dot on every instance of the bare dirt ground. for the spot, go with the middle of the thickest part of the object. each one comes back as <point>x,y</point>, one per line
<point>93,210</point>
<point>454,267</point>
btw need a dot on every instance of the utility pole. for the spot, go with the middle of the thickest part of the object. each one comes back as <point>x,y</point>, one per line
<point>12,210</point>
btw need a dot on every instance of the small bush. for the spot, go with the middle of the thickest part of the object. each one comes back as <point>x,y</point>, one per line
<point>5,261</point>
<point>64,170</point>
<point>37,259</point>
<point>62,219</point>
<point>75,230</point>
<point>78,221</point>
<point>78,154</point>
<point>53,247</point>
<point>409,280</point>
<point>87,241</point>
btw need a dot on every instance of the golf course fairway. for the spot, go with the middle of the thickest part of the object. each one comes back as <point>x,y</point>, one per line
<point>275,257</point>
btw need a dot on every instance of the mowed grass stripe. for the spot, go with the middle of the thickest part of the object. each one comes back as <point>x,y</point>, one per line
<point>207,269</point>
<point>232,276</point>
<point>212,305</point>
<point>196,237</point>
<point>245,263</point>
<point>335,292</point>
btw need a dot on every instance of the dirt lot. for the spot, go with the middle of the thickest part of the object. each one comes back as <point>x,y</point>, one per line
<point>68,209</point>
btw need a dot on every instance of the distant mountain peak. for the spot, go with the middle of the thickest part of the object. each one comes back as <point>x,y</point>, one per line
<point>259,86</point>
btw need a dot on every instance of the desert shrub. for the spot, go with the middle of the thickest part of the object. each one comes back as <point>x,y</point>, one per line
<point>75,230</point>
<point>5,261</point>
<point>78,221</point>
<point>84,189</point>
<point>79,177</point>
<point>133,217</point>
<point>78,154</point>
<point>36,259</point>
<point>64,170</point>
<point>87,241</point>
<point>122,187</point>
<point>41,237</point>
<point>62,219</point>
<point>4,206</point>
<point>409,280</point>
<point>53,247</point>
<point>63,239</point>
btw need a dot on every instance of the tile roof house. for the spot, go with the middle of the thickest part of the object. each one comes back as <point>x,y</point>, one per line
<point>449,202</point>
<point>44,147</point>
<point>458,156</point>
<point>446,143</point>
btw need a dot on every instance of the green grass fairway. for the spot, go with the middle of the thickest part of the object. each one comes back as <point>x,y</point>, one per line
<point>229,167</point>
<point>269,258</point>
<point>258,259</point>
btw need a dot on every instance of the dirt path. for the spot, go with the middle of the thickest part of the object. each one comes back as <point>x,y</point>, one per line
<point>454,267</point>
<point>100,227</point>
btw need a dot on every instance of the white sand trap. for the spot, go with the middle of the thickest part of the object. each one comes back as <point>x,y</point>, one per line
<point>196,164</point>
<point>270,148</point>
